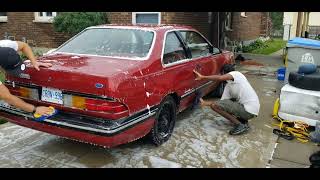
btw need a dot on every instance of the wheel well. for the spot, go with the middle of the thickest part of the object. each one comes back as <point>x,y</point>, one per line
<point>176,98</point>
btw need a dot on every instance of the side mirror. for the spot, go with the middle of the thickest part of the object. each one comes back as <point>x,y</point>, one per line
<point>214,50</point>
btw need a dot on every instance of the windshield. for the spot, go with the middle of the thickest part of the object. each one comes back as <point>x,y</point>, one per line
<point>130,43</point>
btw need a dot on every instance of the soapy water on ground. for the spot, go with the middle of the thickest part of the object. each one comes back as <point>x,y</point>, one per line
<point>200,139</point>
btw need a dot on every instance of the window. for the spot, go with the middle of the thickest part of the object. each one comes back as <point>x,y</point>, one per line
<point>198,46</point>
<point>173,49</point>
<point>44,16</point>
<point>113,42</point>
<point>3,17</point>
<point>243,14</point>
<point>146,18</point>
<point>228,22</point>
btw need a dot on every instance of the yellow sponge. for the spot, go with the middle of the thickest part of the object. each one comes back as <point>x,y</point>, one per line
<point>39,117</point>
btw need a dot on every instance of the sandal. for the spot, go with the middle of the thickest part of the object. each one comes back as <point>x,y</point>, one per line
<point>282,134</point>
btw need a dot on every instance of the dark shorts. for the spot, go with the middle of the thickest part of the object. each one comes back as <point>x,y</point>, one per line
<point>236,109</point>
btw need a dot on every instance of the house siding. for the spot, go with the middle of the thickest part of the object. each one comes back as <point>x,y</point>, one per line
<point>21,25</point>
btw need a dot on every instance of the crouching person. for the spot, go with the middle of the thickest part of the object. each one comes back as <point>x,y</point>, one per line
<point>239,101</point>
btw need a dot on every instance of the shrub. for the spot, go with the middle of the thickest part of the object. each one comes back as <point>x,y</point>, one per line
<point>36,54</point>
<point>258,44</point>
<point>74,22</point>
<point>2,121</point>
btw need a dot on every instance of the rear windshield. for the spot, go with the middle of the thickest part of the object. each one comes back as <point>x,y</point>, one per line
<point>130,43</point>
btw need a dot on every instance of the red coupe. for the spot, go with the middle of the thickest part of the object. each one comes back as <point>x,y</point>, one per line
<point>114,84</point>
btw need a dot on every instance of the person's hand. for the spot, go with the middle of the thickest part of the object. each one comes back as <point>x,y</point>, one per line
<point>198,75</point>
<point>37,65</point>
<point>42,110</point>
<point>205,103</point>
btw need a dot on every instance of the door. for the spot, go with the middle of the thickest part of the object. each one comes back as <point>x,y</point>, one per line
<point>203,57</point>
<point>178,69</point>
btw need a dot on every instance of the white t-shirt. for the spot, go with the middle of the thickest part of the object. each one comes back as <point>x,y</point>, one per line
<point>242,91</point>
<point>9,43</point>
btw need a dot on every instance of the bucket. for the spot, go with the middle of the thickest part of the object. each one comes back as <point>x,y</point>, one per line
<point>281,73</point>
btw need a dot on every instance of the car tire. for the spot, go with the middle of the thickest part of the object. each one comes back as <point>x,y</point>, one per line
<point>165,122</point>
<point>305,81</point>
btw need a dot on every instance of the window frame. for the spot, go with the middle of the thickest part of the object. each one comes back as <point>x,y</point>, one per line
<point>44,19</point>
<point>228,26</point>
<point>243,14</point>
<point>116,57</point>
<point>188,52</point>
<point>134,17</point>
<point>204,38</point>
<point>4,18</point>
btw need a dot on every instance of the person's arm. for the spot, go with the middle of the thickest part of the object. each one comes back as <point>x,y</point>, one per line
<point>26,49</point>
<point>19,103</point>
<point>224,77</point>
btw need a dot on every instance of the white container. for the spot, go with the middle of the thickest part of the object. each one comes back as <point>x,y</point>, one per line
<point>299,105</point>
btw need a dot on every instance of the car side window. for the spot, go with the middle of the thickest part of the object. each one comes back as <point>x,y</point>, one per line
<point>173,49</point>
<point>196,43</point>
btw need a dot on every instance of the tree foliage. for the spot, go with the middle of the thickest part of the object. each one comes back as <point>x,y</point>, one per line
<point>277,20</point>
<point>74,22</point>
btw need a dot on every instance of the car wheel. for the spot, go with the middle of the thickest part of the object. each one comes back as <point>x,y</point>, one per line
<point>165,121</point>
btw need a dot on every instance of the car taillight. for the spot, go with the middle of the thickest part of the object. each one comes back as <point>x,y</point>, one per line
<point>24,92</point>
<point>91,104</point>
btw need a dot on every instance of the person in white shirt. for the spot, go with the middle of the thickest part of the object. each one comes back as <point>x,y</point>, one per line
<point>239,101</point>
<point>11,63</point>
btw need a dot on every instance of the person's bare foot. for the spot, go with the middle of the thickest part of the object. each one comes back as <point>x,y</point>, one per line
<point>205,103</point>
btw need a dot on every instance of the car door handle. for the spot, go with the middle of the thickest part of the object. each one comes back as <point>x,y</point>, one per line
<point>198,67</point>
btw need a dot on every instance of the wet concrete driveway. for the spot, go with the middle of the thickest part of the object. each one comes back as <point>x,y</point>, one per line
<point>200,139</point>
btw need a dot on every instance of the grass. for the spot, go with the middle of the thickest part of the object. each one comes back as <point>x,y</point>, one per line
<point>272,45</point>
<point>2,121</point>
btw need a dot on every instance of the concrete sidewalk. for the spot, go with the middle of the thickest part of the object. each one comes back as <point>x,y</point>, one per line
<point>292,154</point>
<point>286,154</point>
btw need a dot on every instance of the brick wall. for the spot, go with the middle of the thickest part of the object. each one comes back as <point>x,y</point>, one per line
<point>20,24</point>
<point>198,20</point>
<point>246,28</point>
<point>120,17</point>
<point>266,24</point>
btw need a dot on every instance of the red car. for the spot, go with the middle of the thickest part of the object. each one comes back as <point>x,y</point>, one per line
<point>114,84</point>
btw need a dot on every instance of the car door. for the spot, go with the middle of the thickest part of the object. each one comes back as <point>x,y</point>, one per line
<point>203,57</point>
<point>178,69</point>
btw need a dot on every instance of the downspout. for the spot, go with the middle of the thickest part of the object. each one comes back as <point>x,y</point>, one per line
<point>218,30</point>
<point>210,14</point>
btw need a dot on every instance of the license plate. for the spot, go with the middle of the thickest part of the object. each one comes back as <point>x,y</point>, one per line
<point>52,95</point>
<point>4,104</point>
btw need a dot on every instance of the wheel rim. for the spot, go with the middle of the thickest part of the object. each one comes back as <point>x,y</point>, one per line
<point>164,121</point>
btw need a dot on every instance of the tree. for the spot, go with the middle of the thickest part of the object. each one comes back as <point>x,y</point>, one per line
<point>277,20</point>
<point>74,22</point>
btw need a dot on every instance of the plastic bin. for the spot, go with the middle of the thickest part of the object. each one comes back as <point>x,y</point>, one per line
<point>281,73</point>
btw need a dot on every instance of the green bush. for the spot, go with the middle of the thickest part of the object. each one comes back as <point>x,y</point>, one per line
<point>74,22</point>
<point>2,121</point>
<point>36,53</point>
<point>258,44</point>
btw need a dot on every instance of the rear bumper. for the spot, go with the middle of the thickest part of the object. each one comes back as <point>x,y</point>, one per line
<point>107,133</point>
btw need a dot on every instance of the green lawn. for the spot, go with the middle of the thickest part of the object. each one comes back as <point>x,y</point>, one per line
<point>272,46</point>
<point>2,121</point>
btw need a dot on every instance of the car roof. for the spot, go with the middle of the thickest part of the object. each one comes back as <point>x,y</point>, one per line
<point>154,27</point>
